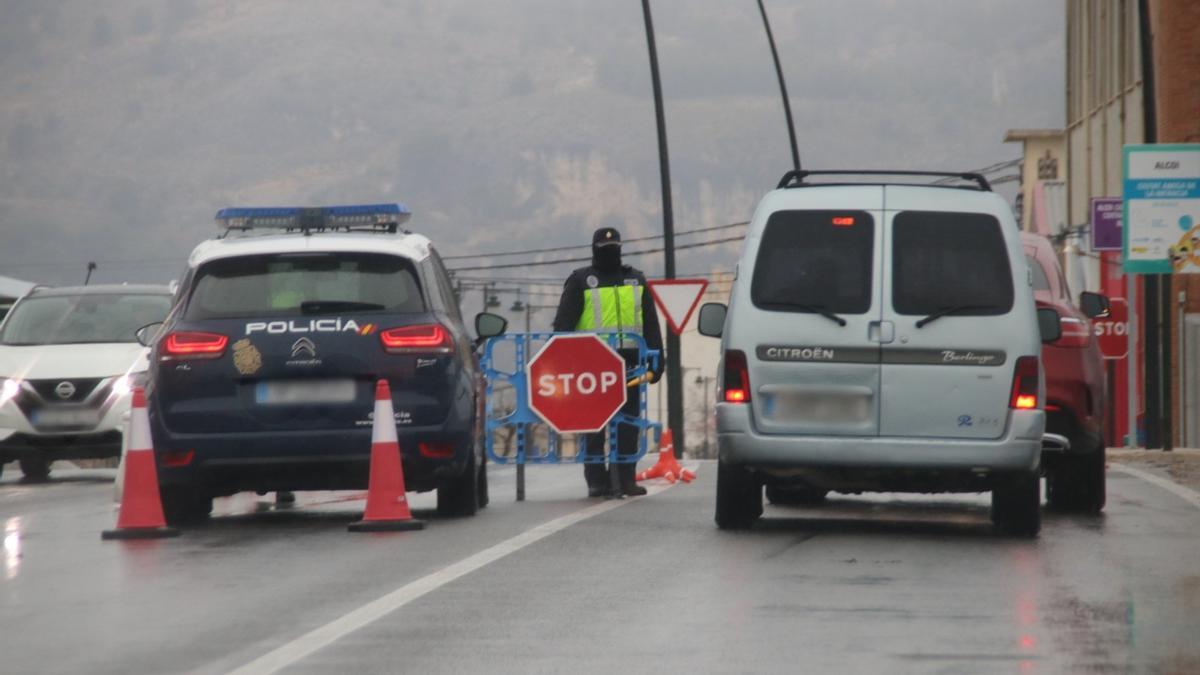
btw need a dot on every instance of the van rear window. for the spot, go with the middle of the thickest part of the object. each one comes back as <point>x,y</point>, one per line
<point>943,259</point>
<point>815,259</point>
<point>304,284</point>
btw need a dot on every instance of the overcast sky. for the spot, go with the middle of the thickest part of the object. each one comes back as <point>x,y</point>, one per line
<point>505,124</point>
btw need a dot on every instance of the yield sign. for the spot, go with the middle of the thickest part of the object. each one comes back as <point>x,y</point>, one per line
<point>677,299</point>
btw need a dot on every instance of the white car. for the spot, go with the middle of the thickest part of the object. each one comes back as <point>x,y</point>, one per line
<point>69,359</point>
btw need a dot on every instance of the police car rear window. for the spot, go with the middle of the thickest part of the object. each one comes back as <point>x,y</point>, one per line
<point>942,260</point>
<point>308,284</point>
<point>810,260</point>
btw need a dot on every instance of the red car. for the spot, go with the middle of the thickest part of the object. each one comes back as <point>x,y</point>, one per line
<point>1075,386</point>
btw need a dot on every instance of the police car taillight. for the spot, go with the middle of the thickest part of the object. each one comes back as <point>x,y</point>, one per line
<point>736,378</point>
<point>194,345</point>
<point>423,338</point>
<point>1026,380</point>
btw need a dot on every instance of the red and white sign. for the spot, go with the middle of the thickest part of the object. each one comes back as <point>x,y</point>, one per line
<point>677,299</point>
<point>1112,332</point>
<point>576,383</point>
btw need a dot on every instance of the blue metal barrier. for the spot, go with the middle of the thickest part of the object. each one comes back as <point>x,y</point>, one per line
<point>522,416</point>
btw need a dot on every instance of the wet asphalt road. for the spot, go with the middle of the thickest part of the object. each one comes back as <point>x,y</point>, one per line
<point>885,583</point>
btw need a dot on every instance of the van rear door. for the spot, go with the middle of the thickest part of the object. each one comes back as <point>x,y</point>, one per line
<point>948,285</point>
<point>813,362</point>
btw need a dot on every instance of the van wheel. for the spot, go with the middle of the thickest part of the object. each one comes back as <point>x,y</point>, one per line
<point>1016,506</point>
<point>739,497</point>
<point>459,496</point>
<point>1079,483</point>
<point>36,469</point>
<point>184,505</point>
<point>795,495</point>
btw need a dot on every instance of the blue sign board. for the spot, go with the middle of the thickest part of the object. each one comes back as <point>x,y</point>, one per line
<point>1162,208</point>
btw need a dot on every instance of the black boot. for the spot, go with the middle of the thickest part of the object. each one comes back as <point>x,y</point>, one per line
<point>629,486</point>
<point>597,479</point>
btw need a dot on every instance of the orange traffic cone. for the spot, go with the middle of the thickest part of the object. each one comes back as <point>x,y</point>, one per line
<point>141,515</point>
<point>387,505</point>
<point>667,466</point>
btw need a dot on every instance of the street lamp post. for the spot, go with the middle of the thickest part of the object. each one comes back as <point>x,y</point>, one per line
<point>787,106</point>
<point>674,374</point>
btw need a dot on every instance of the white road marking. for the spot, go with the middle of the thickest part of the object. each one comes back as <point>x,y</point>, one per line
<point>310,642</point>
<point>1175,488</point>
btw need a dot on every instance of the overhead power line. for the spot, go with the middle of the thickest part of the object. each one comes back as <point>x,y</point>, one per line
<point>558,249</point>
<point>561,261</point>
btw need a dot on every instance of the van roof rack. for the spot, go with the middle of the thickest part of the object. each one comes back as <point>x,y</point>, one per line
<point>796,178</point>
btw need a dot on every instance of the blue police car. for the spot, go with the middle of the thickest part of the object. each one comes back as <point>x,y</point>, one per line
<point>263,376</point>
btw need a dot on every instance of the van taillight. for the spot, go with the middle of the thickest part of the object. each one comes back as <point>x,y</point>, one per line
<point>1025,384</point>
<point>1075,333</point>
<point>194,345</point>
<point>424,338</point>
<point>736,378</point>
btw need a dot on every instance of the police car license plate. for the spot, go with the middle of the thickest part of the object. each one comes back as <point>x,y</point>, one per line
<point>72,417</point>
<point>292,392</point>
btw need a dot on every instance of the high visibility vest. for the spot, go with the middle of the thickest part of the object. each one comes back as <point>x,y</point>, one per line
<point>612,308</point>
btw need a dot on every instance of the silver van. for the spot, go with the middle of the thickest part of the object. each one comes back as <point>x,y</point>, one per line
<point>880,337</point>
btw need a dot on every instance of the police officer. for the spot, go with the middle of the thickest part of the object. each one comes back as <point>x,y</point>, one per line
<point>608,296</point>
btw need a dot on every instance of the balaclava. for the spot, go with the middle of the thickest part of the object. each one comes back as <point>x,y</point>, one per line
<point>606,250</point>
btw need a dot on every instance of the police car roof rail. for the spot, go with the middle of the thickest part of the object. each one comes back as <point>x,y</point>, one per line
<point>380,218</point>
<point>795,179</point>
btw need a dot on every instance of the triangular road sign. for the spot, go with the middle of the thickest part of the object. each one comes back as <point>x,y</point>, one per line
<point>677,299</point>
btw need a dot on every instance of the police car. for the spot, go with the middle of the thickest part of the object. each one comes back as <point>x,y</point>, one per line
<point>263,377</point>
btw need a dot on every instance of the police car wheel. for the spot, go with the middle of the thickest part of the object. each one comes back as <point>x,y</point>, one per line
<point>459,496</point>
<point>184,505</point>
<point>36,469</point>
<point>482,488</point>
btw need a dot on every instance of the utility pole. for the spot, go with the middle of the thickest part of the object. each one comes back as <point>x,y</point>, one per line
<point>674,374</point>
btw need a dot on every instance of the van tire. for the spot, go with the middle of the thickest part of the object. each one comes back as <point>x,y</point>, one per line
<point>1016,506</point>
<point>795,495</point>
<point>1078,484</point>
<point>184,505</point>
<point>459,497</point>
<point>739,497</point>
<point>36,469</point>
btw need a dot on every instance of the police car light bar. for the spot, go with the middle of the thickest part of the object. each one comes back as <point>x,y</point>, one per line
<point>372,216</point>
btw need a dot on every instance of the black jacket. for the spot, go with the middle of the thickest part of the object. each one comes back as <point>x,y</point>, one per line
<point>570,306</point>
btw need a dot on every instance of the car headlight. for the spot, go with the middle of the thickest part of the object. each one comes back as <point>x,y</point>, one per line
<point>9,390</point>
<point>123,386</point>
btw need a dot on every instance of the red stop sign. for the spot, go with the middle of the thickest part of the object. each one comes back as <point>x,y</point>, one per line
<point>1112,331</point>
<point>576,383</point>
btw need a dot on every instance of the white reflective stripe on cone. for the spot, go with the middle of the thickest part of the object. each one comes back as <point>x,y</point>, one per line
<point>384,428</point>
<point>139,430</point>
